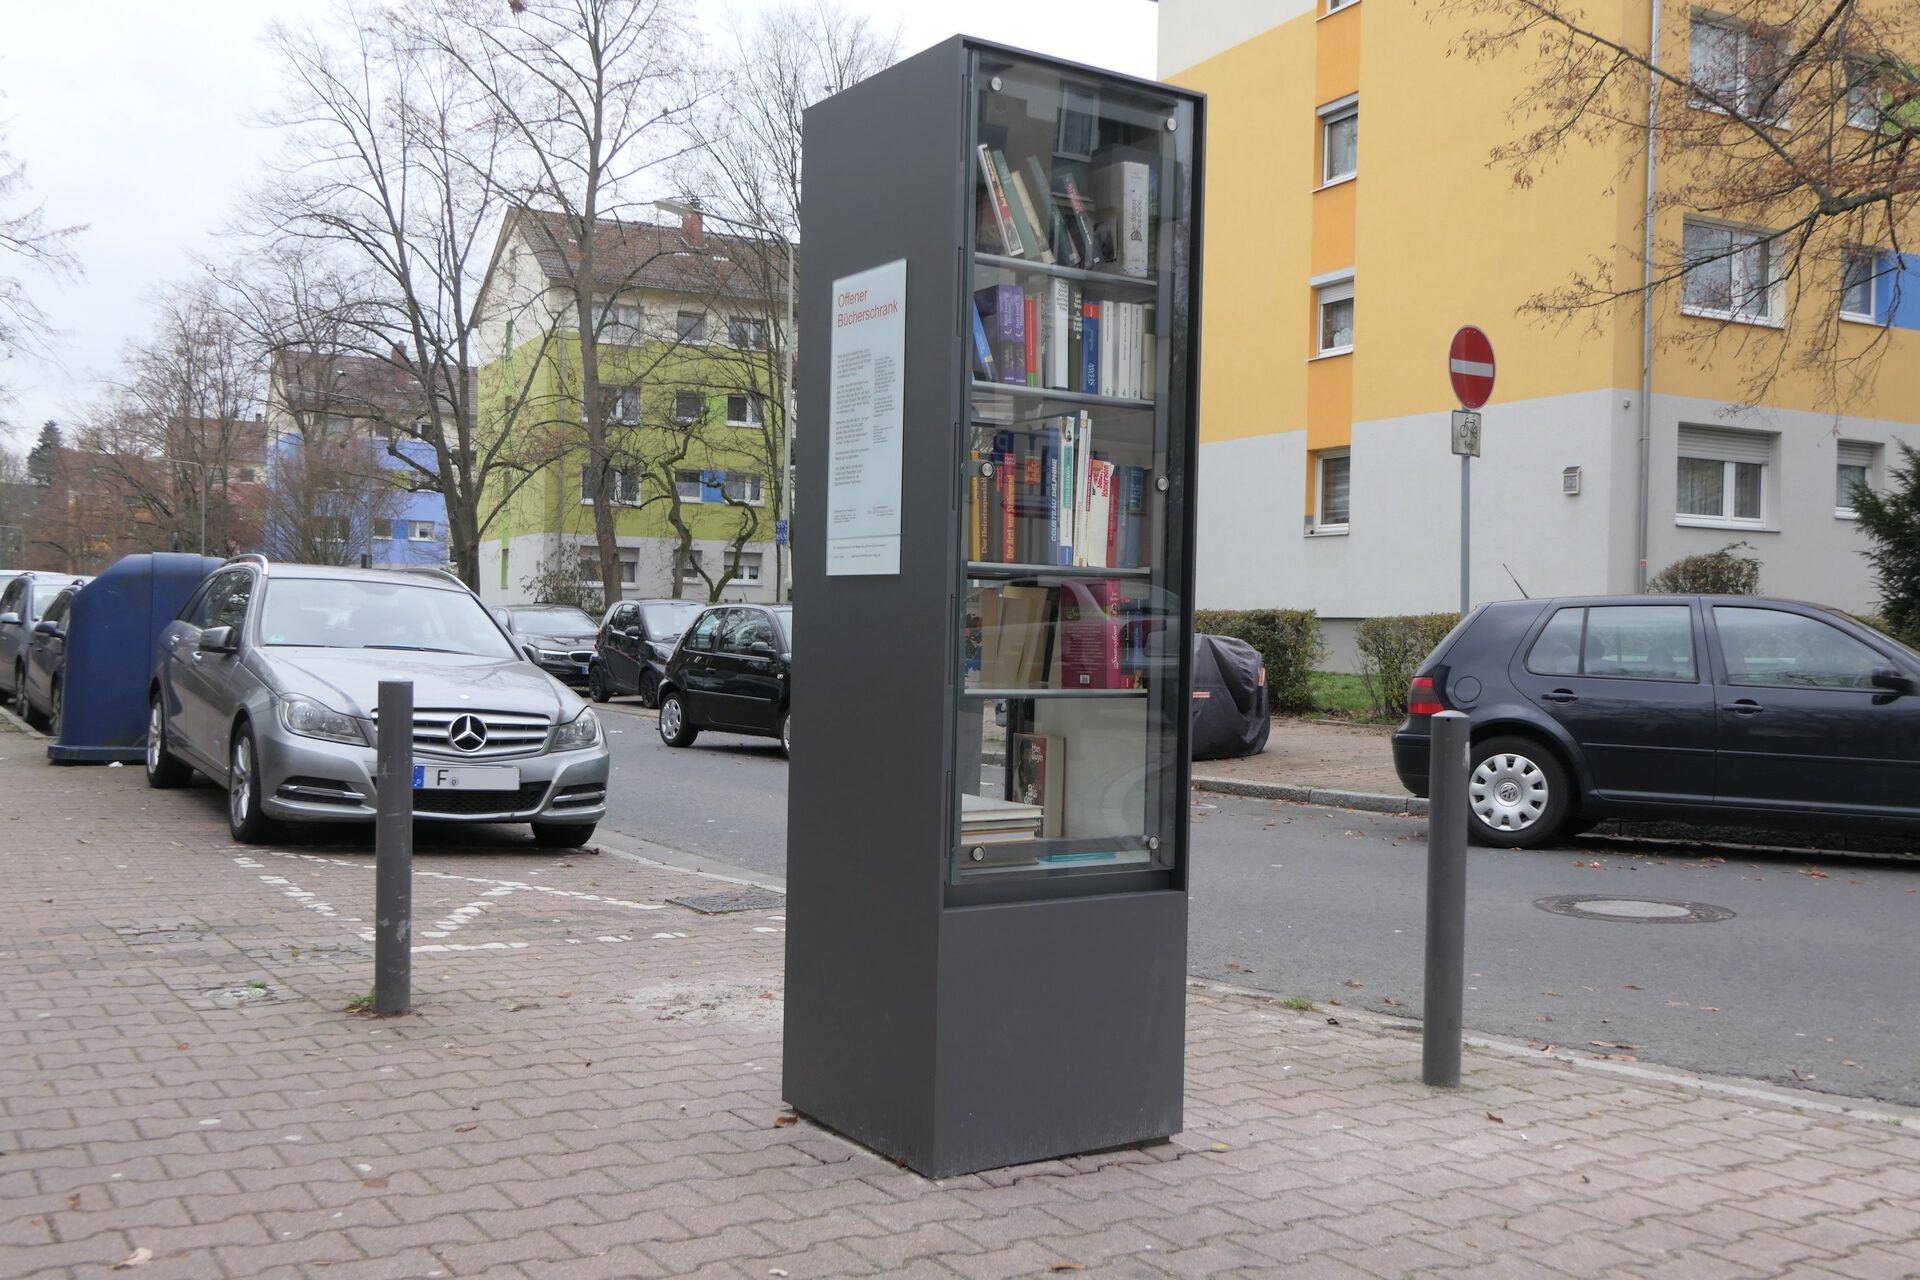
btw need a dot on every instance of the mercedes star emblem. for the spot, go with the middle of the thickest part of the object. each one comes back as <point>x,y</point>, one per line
<point>467,733</point>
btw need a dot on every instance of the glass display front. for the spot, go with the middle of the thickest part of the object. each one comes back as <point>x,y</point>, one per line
<point>1071,696</point>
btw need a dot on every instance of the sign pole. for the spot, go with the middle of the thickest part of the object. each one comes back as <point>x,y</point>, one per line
<point>1470,368</point>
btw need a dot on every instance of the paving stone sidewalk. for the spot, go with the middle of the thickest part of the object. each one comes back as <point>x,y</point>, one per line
<point>589,1086</point>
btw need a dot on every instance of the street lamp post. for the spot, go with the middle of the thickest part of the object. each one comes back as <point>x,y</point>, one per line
<point>205,478</point>
<point>783,549</point>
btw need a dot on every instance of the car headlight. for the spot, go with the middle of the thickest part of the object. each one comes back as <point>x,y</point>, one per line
<point>582,731</point>
<point>311,719</point>
<point>554,655</point>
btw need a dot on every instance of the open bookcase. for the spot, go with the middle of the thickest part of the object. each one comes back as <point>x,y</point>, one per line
<point>987,829</point>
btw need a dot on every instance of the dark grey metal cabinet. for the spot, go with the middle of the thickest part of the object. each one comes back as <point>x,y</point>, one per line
<point>987,834</point>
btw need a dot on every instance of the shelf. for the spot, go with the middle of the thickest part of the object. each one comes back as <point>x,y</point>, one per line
<point>1054,693</point>
<point>1061,572</point>
<point>1051,393</point>
<point>1134,284</point>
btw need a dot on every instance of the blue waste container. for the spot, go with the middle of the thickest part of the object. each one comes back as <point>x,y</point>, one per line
<point>113,632</point>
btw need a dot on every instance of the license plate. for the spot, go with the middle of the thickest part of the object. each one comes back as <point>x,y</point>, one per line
<point>465,777</point>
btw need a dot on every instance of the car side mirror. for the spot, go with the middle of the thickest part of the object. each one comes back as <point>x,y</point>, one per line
<point>218,640</point>
<point>1891,678</point>
<point>9,619</point>
<point>631,633</point>
<point>47,629</point>
<point>761,647</point>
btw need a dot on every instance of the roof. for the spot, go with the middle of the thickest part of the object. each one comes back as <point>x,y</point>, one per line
<point>386,388</point>
<point>652,255</point>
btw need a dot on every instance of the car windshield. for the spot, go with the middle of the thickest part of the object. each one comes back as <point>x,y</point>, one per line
<point>357,613</point>
<point>42,601</point>
<point>666,621</point>
<point>552,620</point>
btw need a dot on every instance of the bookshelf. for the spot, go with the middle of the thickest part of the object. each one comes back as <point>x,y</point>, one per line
<point>987,834</point>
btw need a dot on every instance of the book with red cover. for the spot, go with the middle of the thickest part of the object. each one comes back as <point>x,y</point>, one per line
<point>1032,309</point>
<point>1003,482</point>
<point>1090,627</point>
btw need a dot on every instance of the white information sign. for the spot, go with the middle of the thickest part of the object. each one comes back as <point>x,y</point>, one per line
<point>864,421</point>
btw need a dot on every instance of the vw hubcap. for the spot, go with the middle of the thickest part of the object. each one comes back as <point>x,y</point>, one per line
<point>670,719</point>
<point>1508,792</point>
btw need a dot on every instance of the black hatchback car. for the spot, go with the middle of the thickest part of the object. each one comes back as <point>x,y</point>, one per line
<point>636,638</point>
<point>733,671</point>
<point>1696,708</point>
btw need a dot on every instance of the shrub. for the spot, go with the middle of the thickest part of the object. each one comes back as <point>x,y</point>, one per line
<point>1891,521</point>
<point>1392,649</point>
<point>1717,573</point>
<point>1289,645</point>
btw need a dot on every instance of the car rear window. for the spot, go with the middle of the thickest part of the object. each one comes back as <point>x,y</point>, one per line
<point>1632,642</point>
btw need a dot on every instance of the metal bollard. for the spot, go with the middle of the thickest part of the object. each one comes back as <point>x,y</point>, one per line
<point>393,852</point>
<point>1446,900</point>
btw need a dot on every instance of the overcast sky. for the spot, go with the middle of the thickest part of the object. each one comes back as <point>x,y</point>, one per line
<point>133,117</point>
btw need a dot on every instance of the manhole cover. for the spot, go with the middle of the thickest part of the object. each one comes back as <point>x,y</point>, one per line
<point>715,904</point>
<point>240,995</point>
<point>1594,906</point>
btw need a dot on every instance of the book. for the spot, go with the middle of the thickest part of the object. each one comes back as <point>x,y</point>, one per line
<point>1036,775</point>
<point>1003,313</point>
<point>1090,347</point>
<point>1080,217</point>
<point>1120,191</point>
<point>1009,235</point>
<point>1090,635</point>
<point>1058,235</point>
<point>1096,513</point>
<point>977,510</point>
<point>1030,305</point>
<point>1069,451</point>
<point>1076,316</point>
<point>1109,334</point>
<point>986,223</point>
<point>1029,238</point>
<point>1003,487</point>
<point>1041,250</point>
<point>1055,326</point>
<point>1051,452</point>
<point>983,365</point>
<point>1083,462</point>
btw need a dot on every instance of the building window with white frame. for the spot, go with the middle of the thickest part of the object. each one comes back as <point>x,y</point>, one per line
<point>690,485</point>
<point>629,568</point>
<point>620,324</point>
<point>690,565</point>
<point>1860,286</point>
<point>747,333</point>
<point>747,567</point>
<point>688,406</point>
<point>620,405</point>
<point>1334,306</point>
<point>1339,140</point>
<point>1338,4</point>
<point>740,487</point>
<point>421,531</point>
<point>1729,273</point>
<point>690,326</point>
<point>1852,472</point>
<point>1864,96</point>
<point>1334,484</point>
<point>746,411</point>
<point>382,529</point>
<point>1721,477</point>
<point>1737,69</point>
<point>623,484</point>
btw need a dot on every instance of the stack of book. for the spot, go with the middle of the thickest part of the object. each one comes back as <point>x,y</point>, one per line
<point>990,820</point>
<point>1053,335</point>
<point>1050,499</point>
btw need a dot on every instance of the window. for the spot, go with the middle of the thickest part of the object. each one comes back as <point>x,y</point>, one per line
<point>690,565</point>
<point>746,411</point>
<point>1737,69</point>
<point>382,530</point>
<point>1336,317</point>
<point>1769,647</point>
<point>623,485</point>
<point>332,530</point>
<point>1864,95</point>
<point>1336,476</point>
<point>1722,476</point>
<point>629,572</point>
<point>1635,642</point>
<point>619,324</point>
<point>227,602</point>
<point>1860,286</point>
<point>701,635</point>
<point>743,488</point>
<point>620,405</point>
<point>690,485</point>
<point>746,629</point>
<point>746,567</point>
<point>1556,650</point>
<point>1729,272</point>
<point>1853,469</point>
<point>688,406</point>
<point>1339,140</point>
<point>747,332</point>
<point>421,531</point>
<point>691,326</point>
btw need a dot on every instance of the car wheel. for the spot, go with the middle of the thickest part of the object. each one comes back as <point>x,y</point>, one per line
<point>57,715</point>
<point>675,730</point>
<point>164,769</point>
<point>597,683</point>
<point>786,733</point>
<point>649,690</point>
<point>19,687</point>
<point>562,835</point>
<point>244,818</point>
<point>1517,794</point>
<point>35,718</point>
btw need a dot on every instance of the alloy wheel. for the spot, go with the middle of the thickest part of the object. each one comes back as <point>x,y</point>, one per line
<point>240,782</point>
<point>156,725</point>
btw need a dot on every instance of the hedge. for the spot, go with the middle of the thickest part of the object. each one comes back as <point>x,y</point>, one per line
<point>1392,649</point>
<point>1717,573</point>
<point>1289,645</point>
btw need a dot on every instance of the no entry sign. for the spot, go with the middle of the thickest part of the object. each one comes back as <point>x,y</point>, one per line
<point>1470,366</point>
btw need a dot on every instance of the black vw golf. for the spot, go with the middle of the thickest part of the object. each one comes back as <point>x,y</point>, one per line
<point>1702,708</point>
<point>732,671</point>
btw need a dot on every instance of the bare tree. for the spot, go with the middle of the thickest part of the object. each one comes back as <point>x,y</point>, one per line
<point>1799,118</point>
<point>789,56</point>
<point>390,172</point>
<point>26,242</point>
<point>329,500</point>
<point>594,95</point>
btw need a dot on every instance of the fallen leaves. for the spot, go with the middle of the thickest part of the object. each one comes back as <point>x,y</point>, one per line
<point>1352,982</point>
<point>1080,1266</point>
<point>1496,1119</point>
<point>1614,1044</point>
<point>468,1127</point>
<point>376,1184</point>
<point>1633,987</point>
<point>786,1121</point>
<point>138,1258</point>
<point>1814,872</point>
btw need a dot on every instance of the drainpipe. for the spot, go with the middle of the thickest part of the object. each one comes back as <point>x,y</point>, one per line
<point>1646,297</point>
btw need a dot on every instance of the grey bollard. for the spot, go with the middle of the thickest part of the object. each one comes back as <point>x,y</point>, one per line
<point>1445,986</point>
<point>393,852</point>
